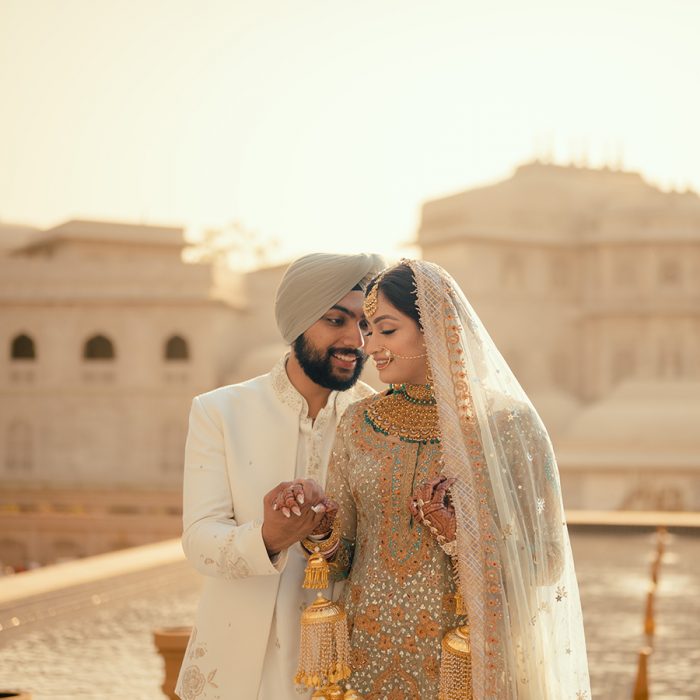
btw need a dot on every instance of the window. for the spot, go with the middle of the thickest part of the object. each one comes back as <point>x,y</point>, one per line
<point>23,348</point>
<point>19,454</point>
<point>98,348</point>
<point>176,349</point>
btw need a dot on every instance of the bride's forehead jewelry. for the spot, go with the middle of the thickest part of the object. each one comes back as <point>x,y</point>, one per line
<point>370,304</point>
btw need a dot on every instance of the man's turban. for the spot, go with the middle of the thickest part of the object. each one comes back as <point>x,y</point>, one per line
<point>314,283</point>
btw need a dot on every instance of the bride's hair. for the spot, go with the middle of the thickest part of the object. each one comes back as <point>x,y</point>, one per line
<point>398,285</point>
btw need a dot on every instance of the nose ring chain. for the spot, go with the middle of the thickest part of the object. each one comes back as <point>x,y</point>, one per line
<point>392,355</point>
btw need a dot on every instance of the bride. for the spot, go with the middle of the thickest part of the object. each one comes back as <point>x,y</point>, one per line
<point>446,483</point>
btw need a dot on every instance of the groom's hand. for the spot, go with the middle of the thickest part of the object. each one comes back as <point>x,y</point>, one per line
<point>280,531</point>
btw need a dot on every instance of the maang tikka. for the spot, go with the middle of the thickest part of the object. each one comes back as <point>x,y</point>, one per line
<point>369,305</point>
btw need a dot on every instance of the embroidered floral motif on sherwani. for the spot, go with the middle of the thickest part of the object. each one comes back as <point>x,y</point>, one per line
<point>399,577</point>
<point>194,682</point>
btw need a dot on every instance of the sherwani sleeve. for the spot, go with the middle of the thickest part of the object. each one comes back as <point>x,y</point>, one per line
<point>338,488</point>
<point>213,541</point>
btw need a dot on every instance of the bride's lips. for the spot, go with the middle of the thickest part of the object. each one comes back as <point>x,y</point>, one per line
<point>381,362</point>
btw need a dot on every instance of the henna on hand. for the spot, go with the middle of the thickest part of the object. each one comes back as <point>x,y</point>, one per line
<point>325,525</point>
<point>431,505</point>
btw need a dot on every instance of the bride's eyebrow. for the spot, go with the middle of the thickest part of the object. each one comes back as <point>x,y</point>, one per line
<point>384,318</point>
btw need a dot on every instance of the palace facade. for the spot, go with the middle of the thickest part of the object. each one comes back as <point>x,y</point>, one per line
<point>588,281</point>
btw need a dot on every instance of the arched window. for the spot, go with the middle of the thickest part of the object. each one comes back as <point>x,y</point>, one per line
<point>22,348</point>
<point>19,450</point>
<point>98,347</point>
<point>176,349</point>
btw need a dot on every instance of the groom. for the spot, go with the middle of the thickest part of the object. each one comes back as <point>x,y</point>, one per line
<point>248,441</point>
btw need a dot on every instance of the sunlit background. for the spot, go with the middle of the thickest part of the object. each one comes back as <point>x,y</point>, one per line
<point>324,124</point>
<point>546,153</point>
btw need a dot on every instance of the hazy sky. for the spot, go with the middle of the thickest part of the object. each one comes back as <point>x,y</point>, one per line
<point>324,123</point>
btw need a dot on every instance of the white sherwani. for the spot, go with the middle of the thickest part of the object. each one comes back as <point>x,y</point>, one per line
<point>243,440</point>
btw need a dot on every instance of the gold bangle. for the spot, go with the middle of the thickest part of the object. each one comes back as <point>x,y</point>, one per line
<point>323,546</point>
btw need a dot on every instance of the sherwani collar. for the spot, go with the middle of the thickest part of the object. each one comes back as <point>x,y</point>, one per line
<point>289,396</point>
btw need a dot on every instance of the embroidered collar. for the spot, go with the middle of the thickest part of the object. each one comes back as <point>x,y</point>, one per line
<point>288,395</point>
<point>284,389</point>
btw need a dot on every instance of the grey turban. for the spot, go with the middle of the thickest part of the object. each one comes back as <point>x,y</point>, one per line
<point>314,283</point>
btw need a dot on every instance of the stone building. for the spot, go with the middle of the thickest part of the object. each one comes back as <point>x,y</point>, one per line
<point>589,282</point>
<point>106,335</point>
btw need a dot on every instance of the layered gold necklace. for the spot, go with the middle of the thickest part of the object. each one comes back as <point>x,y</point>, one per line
<point>408,412</point>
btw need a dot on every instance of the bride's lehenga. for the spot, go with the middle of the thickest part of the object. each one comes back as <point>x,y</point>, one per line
<point>400,593</point>
<point>515,568</point>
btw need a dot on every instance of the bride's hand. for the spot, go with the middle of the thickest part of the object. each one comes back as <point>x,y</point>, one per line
<point>326,524</point>
<point>431,505</point>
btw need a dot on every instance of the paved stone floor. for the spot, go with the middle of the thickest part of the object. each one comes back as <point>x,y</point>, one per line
<point>614,576</point>
<point>104,651</point>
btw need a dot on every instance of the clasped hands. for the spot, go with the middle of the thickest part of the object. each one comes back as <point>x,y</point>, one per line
<point>294,510</point>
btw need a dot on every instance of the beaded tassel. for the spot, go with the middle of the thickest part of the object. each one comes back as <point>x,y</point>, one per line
<point>456,665</point>
<point>325,647</point>
<point>456,661</point>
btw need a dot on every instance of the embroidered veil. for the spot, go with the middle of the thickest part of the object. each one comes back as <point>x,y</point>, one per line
<point>516,570</point>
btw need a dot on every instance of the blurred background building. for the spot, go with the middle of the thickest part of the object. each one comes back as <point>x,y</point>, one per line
<point>588,280</point>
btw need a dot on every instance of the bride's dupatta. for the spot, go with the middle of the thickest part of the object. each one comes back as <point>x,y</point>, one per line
<point>516,571</point>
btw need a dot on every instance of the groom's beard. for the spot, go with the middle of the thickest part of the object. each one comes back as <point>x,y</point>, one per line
<point>318,367</point>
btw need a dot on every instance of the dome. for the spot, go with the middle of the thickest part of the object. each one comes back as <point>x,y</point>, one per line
<point>640,422</point>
